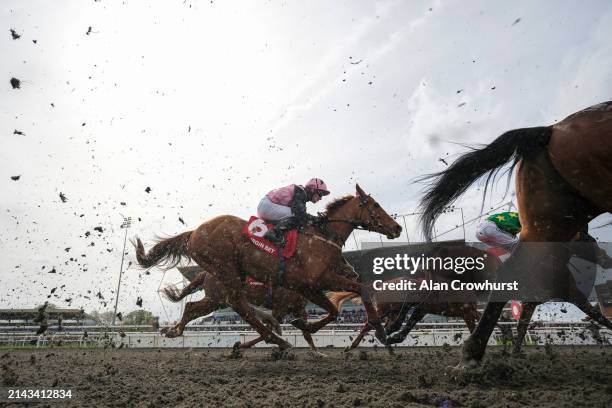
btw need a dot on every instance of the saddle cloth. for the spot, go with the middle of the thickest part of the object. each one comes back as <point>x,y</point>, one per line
<point>255,228</point>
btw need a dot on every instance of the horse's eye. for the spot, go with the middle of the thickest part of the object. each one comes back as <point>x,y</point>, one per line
<point>376,205</point>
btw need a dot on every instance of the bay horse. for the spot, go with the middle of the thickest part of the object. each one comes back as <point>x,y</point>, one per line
<point>283,302</point>
<point>563,180</point>
<point>393,311</point>
<point>429,302</point>
<point>220,248</point>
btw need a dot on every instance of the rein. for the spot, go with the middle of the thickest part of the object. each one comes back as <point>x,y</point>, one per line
<point>320,238</point>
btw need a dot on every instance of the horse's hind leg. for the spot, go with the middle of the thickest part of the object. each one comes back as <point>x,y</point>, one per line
<point>578,299</point>
<point>241,306</point>
<point>523,325</point>
<point>250,344</point>
<point>276,316</point>
<point>594,313</point>
<point>192,311</point>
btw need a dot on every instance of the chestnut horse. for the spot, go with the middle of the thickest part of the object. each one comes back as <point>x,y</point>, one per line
<point>220,248</point>
<point>283,302</point>
<point>563,180</point>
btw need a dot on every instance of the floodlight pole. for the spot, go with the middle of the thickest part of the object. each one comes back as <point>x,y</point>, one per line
<point>126,224</point>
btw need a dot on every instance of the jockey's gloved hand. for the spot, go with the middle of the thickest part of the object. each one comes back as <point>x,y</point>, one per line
<point>311,219</point>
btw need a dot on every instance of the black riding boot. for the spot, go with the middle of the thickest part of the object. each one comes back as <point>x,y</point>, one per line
<point>277,234</point>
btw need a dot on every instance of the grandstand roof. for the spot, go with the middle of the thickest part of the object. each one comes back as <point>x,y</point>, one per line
<point>27,314</point>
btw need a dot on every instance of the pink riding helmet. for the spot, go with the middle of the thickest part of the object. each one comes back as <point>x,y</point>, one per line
<point>317,185</point>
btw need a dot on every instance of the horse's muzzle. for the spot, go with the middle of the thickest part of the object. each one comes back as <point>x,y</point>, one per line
<point>395,233</point>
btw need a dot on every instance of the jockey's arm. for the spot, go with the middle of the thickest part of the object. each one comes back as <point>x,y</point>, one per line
<point>298,205</point>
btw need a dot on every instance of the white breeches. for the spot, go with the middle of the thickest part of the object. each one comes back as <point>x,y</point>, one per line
<point>490,234</point>
<point>270,211</point>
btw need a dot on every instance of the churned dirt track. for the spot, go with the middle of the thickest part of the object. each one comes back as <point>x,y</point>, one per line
<point>544,377</point>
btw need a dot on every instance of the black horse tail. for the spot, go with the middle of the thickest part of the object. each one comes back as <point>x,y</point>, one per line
<point>446,186</point>
<point>166,254</point>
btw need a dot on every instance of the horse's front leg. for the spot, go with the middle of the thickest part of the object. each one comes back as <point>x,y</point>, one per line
<point>523,325</point>
<point>418,313</point>
<point>335,283</point>
<point>396,318</point>
<point>364,330</point>
<point>373,318</point>
<point>301,313</point>
<point>529,264</point>
<point>319,299</point>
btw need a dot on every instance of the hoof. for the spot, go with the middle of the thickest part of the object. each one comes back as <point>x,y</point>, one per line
<point>381,335</point>
<point>172,334</point>
<point>394,339</point>
<point>466,365</point>
<point>236,353</point>
<point>347,349</point>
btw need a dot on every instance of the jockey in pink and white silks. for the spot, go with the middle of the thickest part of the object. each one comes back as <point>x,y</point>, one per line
<point>286,207</point>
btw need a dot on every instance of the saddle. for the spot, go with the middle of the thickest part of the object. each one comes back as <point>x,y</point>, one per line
<point>255,228</point>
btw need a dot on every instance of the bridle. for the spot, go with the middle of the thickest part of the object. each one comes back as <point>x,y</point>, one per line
<point>358,223</point>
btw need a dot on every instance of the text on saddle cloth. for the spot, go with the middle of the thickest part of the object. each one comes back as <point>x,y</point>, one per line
<point>255,229</point>
<point>254,283</point>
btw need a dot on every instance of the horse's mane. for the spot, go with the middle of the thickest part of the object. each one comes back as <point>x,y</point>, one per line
<point>334,205</point>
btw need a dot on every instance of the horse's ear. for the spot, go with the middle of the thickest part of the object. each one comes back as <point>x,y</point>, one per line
<point>360,192</point>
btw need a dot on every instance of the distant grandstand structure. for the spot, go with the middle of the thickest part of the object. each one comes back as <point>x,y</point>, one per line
<point>52,315</point>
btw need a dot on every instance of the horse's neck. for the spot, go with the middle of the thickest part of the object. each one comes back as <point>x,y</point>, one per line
<point>342,229</point>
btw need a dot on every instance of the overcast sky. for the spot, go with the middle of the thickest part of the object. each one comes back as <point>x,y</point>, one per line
<point>212,104</point>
